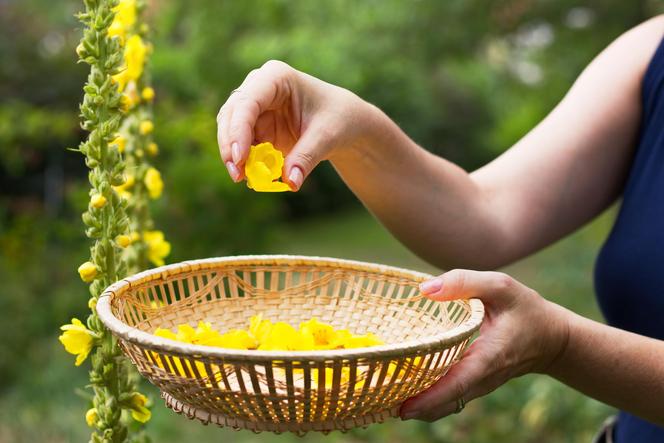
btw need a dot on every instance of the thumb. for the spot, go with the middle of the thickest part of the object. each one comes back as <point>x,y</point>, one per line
<point>312,147</point>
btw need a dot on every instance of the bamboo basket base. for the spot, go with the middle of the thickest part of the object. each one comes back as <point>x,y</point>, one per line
<point>299,428</point>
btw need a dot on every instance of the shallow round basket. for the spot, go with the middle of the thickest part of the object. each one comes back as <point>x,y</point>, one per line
<point>288,391</point>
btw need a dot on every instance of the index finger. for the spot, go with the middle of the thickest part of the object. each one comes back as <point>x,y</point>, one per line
<point>264,89</point>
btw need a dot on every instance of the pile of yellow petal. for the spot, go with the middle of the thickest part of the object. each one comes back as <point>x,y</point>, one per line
<point>263,169</point>
<point>265,335</point>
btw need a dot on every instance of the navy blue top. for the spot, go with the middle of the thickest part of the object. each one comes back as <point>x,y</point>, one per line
<point>629,272</point>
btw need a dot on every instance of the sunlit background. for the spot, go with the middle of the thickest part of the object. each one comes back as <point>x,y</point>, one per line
<point>463,78</point>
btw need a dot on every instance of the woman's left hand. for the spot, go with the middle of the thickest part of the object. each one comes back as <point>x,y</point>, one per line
<point>522,332</point>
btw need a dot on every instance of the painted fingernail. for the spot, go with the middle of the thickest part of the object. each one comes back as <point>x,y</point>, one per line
<point>235,152</point>
<point>296,177</point>
<point>431,286</point>
<point>232,171</point>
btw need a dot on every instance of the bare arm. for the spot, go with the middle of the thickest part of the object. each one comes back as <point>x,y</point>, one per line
<point>560,175</point>
<point>617,367</point>
<point>565,171</point>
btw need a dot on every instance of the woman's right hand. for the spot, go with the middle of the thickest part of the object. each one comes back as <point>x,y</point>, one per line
<point>304,117</point>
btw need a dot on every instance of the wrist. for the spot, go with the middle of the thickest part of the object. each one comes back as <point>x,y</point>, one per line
<point>560,320</point>
<point>366,128</point>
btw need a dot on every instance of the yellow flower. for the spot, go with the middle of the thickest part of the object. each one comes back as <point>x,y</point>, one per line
<point>165,333</point>
<point>263,167</point>
<point>146,127</point>
<point>153,182</point>
<point>147,94</point>
<point>135,236</point>
<point>235,339</point>
<point>283,336</point>
<point>91,417</point>
<point>88,271</point>
<point>134,57</point>
<point>259,328</point>
<point>97,201</point>
<point>362,341</point>
<point>138,410</point>
<point>153,149</point>
<point>125,18</point>
<point>123,240</point>
<point>120,143</point>
<point>77,340</point>
<point>124,189</point>
<point>323,335</point>
<point>158,248</point>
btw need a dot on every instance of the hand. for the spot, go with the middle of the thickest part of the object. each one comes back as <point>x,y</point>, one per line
<point>521,333</point>
<point>302,116</point>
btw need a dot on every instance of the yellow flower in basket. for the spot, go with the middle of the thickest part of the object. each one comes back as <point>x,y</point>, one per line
<point>284,337</point>
<point>323,335</point>
<point>263,167</point>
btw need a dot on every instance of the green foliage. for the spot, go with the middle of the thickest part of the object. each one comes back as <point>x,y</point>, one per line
<point>465,78</point>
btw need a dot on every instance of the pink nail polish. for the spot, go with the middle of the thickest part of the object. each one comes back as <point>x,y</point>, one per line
<point>235,152</point>
<point>296,177</point>
<point>431,286</point>
<point>232,171</point>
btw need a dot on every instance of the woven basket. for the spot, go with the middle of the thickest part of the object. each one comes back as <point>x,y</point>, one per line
<point>288,391</point>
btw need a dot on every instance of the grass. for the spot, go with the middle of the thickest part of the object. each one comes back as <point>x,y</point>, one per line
<point>42,405</point>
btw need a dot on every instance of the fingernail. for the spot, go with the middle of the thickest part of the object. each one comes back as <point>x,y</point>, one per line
<point>296,177</point>
<point>232,171</point>
<point>431,286</point>
<point>235,152</point>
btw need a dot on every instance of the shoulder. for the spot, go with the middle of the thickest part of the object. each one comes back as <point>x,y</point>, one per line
<point>622,65</point>
<point>638,45</point>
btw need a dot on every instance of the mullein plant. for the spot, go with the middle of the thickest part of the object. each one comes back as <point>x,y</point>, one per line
<point>105,111</point>
<point>135,139</point>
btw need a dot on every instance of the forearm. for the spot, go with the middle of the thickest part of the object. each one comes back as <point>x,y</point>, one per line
<point>433,206</point>
<point>619,368</point>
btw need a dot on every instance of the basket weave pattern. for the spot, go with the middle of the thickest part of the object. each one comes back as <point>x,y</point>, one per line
<point>295,391</point>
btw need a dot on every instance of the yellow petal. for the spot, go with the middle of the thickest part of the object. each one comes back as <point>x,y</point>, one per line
<point>165,333</point>
<point>272,187</point>
<point>271,157</point>
<point>91,417</point>
<point>141,414</point>
<point>264,165</point>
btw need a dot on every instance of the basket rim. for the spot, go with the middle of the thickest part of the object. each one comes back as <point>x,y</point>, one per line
<point>146,340</point>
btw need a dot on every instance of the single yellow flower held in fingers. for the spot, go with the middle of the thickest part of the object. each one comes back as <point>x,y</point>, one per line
<point>77,339</point>
<point>263,168</point>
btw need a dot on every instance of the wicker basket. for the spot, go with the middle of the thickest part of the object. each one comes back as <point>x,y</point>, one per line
<point>288,391</point>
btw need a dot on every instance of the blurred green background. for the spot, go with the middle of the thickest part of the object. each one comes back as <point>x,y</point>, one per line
<point>465,78</point>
